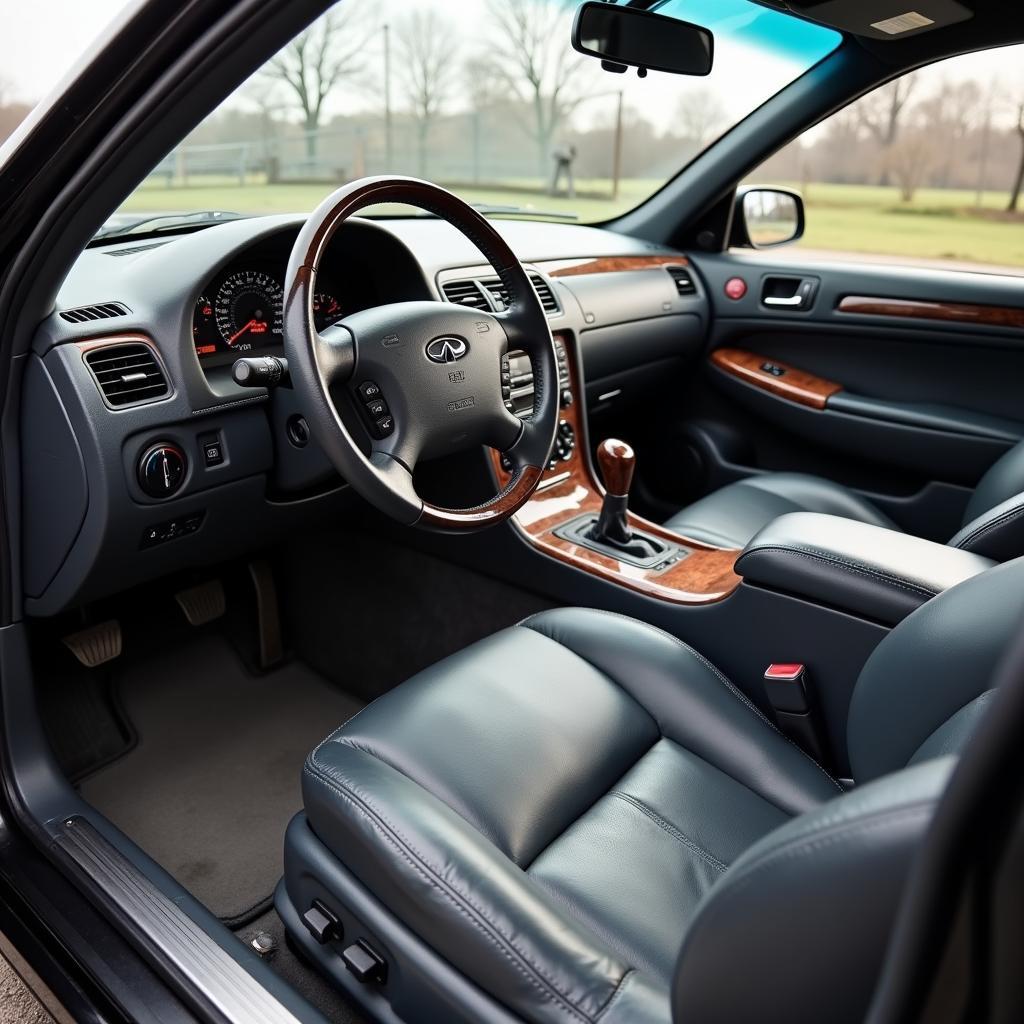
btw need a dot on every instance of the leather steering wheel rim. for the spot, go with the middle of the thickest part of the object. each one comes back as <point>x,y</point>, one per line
<point>437,407</point>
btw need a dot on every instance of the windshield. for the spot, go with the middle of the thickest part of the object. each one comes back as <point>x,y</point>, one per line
<point>486,97</point>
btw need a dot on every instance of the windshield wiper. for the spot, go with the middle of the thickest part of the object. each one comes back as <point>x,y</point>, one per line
<point>159,223</point>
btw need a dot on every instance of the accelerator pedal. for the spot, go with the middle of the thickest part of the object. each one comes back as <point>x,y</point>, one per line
<point>96,645</point>
<point>202,604</point>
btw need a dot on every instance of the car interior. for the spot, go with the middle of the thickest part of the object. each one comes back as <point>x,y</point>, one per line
<point>424,616</point>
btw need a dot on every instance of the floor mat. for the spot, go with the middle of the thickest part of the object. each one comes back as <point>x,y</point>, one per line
<point>214,779</point>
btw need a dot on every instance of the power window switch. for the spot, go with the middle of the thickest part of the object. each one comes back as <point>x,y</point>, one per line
<point>365,963</point>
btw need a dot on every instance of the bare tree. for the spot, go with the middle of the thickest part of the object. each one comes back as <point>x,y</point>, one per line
<point>699,117</point>
<point>531,44</point>
<point>317,61</point>
<point>1018,184</point>
<point>428,56</point>
<point>911,158</point>
<point>881,113</point>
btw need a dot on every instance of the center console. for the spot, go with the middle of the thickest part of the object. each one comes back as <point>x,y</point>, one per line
<point>572,518</point>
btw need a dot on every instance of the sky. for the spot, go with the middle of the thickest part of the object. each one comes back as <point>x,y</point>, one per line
<point>41,57</point>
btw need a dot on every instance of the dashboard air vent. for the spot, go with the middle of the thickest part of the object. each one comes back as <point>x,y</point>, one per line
<point>127,374</point>
<point>684,281</point>
<point>499,293</point>
<point>132,250</point>
<point>465,293</point>
<point>545,294</point>
<point>102,311</point>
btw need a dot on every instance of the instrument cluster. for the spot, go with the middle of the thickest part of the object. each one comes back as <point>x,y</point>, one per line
<point>241,312</point>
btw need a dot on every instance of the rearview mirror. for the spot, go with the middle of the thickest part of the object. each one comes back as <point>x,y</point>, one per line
<point>629,37</point>
<point>766,217</point>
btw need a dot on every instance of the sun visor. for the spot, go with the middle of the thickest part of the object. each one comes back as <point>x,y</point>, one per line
<point>881,19</point>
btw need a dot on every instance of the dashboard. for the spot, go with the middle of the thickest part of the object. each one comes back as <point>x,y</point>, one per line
<point>142,455</point>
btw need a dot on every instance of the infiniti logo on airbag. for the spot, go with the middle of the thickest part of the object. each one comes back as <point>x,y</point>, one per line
<point>446,350</point>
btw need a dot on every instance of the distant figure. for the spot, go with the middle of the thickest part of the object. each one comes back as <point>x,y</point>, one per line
<point>564,157</point>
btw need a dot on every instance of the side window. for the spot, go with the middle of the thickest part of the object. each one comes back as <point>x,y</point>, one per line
<point>925,171</point>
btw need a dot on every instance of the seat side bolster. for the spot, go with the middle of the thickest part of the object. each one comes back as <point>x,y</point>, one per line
<point>793,906</point>
<point>997,533</point>
<point>455,889</point>
<point>693,704</point>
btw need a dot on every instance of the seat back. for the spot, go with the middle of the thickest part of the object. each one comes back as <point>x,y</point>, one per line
<point>796,930</point>
<point>994,520</point>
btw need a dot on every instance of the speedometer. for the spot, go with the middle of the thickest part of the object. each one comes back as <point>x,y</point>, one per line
<point>249,310</point>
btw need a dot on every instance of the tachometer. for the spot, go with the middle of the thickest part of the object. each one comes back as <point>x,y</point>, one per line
<point>326,310</point>
<point>249,309</point>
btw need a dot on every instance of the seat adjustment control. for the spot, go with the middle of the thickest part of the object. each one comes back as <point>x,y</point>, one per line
<point>322,924</point>
<point>365,963</point>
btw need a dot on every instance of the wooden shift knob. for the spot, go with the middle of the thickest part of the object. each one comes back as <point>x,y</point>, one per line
<point>617,461</point>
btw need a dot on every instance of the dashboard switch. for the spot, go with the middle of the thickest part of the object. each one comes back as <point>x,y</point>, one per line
<point>212,448</point>
<point>735,288</point>
<point>161,470</point>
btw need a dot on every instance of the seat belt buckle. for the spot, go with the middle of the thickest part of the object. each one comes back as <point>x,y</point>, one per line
<point>785,684</point>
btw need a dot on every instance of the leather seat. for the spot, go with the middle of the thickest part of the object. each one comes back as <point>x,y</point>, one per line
<point>993,524</point>
<point>581,819</point>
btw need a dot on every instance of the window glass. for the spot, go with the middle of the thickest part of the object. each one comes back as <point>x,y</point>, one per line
<point>928,170</point>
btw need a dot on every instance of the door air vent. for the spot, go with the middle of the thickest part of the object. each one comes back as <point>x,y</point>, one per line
<point>466,293</point>
<point>127,374</point>
<point>684,282</point>
<point>101,311</point>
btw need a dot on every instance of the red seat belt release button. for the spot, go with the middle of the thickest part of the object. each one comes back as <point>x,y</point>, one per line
<point>785,684</point>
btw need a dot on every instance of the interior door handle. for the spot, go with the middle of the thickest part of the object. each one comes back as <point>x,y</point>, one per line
<point>774,300</point>
<point>788,292</point>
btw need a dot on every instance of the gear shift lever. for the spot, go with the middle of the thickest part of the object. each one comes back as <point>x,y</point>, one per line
<point>618,462</point>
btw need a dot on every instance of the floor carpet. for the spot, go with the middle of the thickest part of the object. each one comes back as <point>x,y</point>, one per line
<point>215,776</point>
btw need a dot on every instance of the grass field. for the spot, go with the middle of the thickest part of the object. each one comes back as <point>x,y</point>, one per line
<point>937,225</point>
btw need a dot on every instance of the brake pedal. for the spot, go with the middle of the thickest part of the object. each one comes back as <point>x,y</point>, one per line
<point>96,645</point>
<point>202,604</point>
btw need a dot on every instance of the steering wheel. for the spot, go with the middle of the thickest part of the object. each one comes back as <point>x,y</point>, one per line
<point>387,387</point>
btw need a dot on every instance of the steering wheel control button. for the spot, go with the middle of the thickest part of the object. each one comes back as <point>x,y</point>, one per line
<point>368,391</point>
<point>736,288</point>
<point>377,408</point>
<point>384,427</point>
<point>161,470</point>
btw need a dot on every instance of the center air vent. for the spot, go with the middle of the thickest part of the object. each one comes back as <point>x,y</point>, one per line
<point>466,293</point>
<point>684,281</point>
<point>127,374</point>
<point>490,293</point>
<point>102,311</point>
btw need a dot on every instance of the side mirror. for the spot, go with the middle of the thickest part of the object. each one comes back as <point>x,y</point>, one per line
<point>630,37</point>
<point>766,217</point>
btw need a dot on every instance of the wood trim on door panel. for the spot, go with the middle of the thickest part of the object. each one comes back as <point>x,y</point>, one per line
<point>796,385</point>
<point>571,490</point>
<point>612,264</point>
<point>923,309</point>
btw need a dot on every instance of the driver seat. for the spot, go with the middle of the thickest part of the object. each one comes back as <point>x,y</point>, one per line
<point>580,819</point>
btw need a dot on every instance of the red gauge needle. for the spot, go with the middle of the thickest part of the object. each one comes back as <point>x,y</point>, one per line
<point>248,327</point>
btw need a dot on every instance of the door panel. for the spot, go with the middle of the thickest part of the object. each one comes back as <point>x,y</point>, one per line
<point>902,383</point>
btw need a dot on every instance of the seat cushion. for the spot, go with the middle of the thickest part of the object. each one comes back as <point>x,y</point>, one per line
<point>731,516</point>
<point>547,808</point>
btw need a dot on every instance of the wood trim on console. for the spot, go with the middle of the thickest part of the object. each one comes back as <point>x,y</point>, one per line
<point>796,385</point>
<point>612,264</point>
<point>571,490</point>
<point>923,309</point>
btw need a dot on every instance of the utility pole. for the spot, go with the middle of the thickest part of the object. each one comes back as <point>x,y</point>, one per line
<point>389,152</point>
<point>617,157</point>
